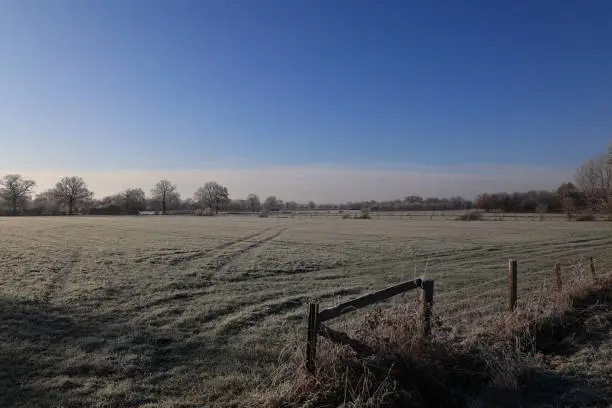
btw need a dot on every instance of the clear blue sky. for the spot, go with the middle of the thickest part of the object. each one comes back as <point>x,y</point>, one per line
<point>132,84</point>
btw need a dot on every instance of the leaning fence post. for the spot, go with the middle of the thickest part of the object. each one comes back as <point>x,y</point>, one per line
<point>313,330</point>
<point>512,272</point>
<point>593,269</point>
<point>559,282</point>
<point>426,305</point>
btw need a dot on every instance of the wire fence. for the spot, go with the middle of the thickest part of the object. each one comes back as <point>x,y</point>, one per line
<point>469,288</point>
<point>475,304</point>
<point>486,304</point>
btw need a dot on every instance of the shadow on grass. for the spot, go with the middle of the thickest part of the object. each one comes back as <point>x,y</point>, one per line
<point>563,339</point>
<point>587,324</point>
<point>546,388</point>
<point>52,356</point>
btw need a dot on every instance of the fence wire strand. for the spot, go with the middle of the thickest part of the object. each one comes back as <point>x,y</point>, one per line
<point>472,311</point>
<point>471,298</point>
<point>444,294</point>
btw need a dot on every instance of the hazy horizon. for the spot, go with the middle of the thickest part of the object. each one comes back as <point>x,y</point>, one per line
<point>324,183</point>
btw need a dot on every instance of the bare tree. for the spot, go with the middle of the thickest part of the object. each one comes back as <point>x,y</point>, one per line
<point>270,203</point>
<point>110,201</point>
<point>86,204</point>
<point>609,169</point>
<point>165,192</point>
<point>212,195</point>
<point>594,179</point>
<point>46,202</point>
<point>132,199</point>
<point>16,190</point>
<point>187,204</point>
<point>595,175</point>
<point>254,202</point>
<point>566,194</point>
<point>71,190</point>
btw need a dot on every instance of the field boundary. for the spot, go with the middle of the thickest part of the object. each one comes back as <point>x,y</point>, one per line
<point>316,318</point>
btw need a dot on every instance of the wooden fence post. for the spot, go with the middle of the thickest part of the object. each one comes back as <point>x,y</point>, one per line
<point>313,330</point>
<point>593,269</point>
<point>512,272</point>
<point>559,282</point>
<point>426,305</point>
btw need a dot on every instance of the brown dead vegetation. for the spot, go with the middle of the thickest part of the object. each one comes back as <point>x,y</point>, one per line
<point>500,365</point>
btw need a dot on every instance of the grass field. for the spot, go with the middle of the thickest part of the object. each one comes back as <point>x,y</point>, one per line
<point>193,311</point>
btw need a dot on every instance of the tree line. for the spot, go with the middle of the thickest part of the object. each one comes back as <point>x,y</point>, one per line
<point>590,191</point>
<point>72,195</point>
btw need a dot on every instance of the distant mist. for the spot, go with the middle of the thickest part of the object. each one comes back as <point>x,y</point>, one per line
<point>325,183</point>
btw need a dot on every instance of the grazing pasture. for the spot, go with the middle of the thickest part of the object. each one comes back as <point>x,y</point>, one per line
<point>195,311</point>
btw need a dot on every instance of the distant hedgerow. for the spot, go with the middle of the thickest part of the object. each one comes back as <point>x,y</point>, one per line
<point>473,215</point>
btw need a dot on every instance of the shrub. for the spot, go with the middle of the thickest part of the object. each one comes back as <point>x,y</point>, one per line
<point>473,215</point>
<point>585,217</point>
<point>364,215</point>
<point>264,213</point>
<point>346,216</point>
<point>206,212</point>
<point>541,208</point>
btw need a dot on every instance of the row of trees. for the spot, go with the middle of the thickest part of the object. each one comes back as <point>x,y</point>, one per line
<point>72,194</point>
<point>591,191</point>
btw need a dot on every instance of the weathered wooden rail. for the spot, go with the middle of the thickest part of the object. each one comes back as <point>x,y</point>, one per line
<point>316,318</point>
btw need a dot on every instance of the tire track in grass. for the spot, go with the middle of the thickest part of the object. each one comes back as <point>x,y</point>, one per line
<point>227,309</point>
<point>256,314</point>
<point>171,297</point>
<point>487,258</point>
<point>184,256</point>
<point>227,260</point>
<point>188,297</point>
<point>314,272</point>
<point>60,278</point>
<point>227,244</point>
<point>201,254</point>
<point>252,316</point>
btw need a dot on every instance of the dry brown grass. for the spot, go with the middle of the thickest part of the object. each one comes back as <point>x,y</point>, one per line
<point>489,366</point>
